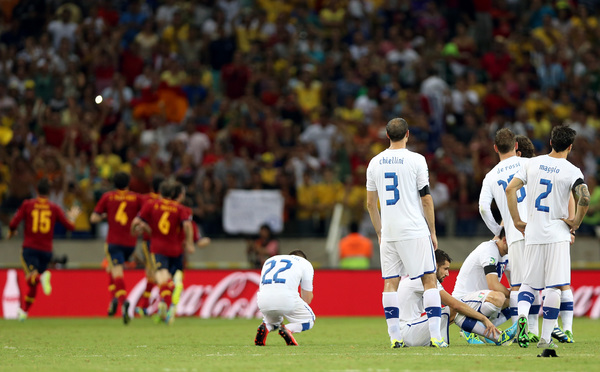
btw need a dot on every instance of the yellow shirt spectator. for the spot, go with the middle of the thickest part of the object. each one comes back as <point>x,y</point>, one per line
<point>173,35</point>
<point>309,96</point>
<point>550,37</point>
<point>274,8</point>
<point>107,164</point>
<point>307,199</point>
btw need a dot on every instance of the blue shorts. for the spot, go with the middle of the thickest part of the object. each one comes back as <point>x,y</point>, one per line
<point>118,254</point>
<point>33,259</point>
<point>170,263</point>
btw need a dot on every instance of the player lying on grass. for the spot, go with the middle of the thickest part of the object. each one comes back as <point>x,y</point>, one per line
<point>413,321</point>
<point>278,297</point>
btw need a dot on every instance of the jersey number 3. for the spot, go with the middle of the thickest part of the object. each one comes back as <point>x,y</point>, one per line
<point>393,187</point>
<point>275,279</point>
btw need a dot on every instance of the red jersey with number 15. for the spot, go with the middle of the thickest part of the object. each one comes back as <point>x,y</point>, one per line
<point>40,215</point>
<point>165,217</point>
<point>121,207</point>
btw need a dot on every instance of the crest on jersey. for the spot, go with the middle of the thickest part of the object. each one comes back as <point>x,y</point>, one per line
<point>492,261</point>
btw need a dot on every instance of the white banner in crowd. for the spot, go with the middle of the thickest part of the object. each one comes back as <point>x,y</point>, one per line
<point>244,211</point>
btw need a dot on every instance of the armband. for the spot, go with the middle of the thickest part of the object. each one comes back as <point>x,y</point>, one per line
<point>577,183</point>
<point>424,191</point>
<point>489,269</point>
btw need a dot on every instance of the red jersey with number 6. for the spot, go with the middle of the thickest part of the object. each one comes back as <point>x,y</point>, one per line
<point>40,215</point>
<point>121,207</point>
<point>165,217</point>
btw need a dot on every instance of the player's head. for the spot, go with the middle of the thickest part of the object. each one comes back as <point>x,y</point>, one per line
<point>501,242</point>
<point>156,181</point>
<point>121,180</point>
<point>177,192</point>
<point>396,129</point>
<point>525,148</point>
<point>298,253</point>
<point>43,187</point>
<point>561,138</point>
<point>504,142</point>
<point>442,260</point>
<point>353,227</point>
<point>165,190</point>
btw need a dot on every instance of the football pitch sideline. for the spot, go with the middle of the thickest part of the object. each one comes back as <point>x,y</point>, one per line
<point>193,344</point>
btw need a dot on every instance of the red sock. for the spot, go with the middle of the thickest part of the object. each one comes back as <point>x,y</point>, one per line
<point>111,285</point>
<point>166,291</point>
<point>145,299</point>
<point>120,292</point>
<point>32,285</point>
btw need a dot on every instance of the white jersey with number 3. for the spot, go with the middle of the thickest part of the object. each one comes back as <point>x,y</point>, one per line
<point>548,183</point>
<point>397,176</point>
<point>493,188</point>
<point>283,274</point>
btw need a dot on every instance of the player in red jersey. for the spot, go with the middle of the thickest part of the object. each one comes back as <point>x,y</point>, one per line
<point>144,302</point>
<point>164,219</point>
<point>40,216</point>
<point>119,207</point>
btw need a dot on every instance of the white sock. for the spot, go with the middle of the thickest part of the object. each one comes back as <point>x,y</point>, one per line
<point>513,301</point>
<point>551,310</point>
<point>433,308</point>
<point>534,313</point>
<point>299,327</point>
<point>391,304</point>
<point>566,310</point>
<point>526,298</point>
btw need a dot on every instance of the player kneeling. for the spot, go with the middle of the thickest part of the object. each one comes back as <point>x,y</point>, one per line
<point>278,297</point>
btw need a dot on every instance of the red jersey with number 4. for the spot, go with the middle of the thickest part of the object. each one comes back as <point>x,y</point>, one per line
<point>147,198</point>
<point>121,207</point>
<point>166,218</point>
<point>40,215</point>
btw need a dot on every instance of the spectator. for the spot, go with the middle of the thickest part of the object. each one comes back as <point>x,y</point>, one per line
<point>355,250</point>
<point>261,249</point>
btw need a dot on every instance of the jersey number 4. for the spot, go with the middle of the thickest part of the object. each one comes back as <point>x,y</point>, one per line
<point>121,216</point>
<point>275,279</point>
<point>521,195</point>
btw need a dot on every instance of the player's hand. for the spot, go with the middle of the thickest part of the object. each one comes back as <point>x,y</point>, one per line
<point>12,233</point>
<point>490,330</point>
<point>520,225</point>
<point>203,242</point>
<point>571,223</point>
<point>73,213</point>
<point>434,241</point>
<point>189,248</point>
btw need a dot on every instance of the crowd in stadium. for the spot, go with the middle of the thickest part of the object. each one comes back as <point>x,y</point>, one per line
<point>286,95</point>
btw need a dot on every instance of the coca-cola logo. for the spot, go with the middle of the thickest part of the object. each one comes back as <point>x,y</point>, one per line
<point>233,296</point>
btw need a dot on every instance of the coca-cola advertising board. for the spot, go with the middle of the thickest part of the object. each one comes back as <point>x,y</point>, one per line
<point>230,293</point>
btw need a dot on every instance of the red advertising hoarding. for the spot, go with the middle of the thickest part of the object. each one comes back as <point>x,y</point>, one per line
<point>229,293</point>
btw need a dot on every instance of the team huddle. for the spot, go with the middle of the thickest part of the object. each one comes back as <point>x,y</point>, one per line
<point>165,224</point>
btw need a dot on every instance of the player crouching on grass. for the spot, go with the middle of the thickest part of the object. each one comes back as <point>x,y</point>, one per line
<point>40,216</point>
<point>278,297</point>
<point>164,219</point>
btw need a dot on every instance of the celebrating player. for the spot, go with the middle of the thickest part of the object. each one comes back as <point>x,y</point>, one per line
<point>550,180</point>
<point>164,218</point>
<point>119,207</point>
<point>40,215</point>
<point>413,325</point>
<point>399,178</point>
<point>278,297</point>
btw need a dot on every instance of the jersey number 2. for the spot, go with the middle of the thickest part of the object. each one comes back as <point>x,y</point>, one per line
<point>538,201</point>
<point>275,279</point>
<point>393,187</point>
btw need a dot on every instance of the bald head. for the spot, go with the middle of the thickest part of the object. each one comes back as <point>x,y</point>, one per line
<point>396,129</point>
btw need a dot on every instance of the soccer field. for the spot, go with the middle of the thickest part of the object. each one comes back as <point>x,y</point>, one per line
<point>192,344</point>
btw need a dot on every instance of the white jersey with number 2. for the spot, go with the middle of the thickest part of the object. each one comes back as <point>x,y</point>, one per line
<point>548,183</point>
<point>397,176</point>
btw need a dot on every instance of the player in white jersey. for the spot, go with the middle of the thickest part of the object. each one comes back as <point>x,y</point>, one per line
<point>413,321</point>
<point>399,179</point>
<point>550,180</point>
<point>278,297</point>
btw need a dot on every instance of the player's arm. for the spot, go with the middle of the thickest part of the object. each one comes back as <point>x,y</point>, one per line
<point>95,217</point>
<point>372,198</point>
<point>582,194</point>
<point>189,236</point>
<point>139,226</point>
<point>307,296</point>
<point>99,212</point>
<point>68,220</point>
<point>428,211</point>
<point>511,199</point>
<point>16,220</point>
<point>491,277</point>
<point>490,331</point>
<point>485,209</point>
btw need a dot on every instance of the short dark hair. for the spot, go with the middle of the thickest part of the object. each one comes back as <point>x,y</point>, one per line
<point>441,257</point>
<point>165,189</point>
<point>562,137</point>
<point>43,187</point>
<point>156,181</point>
<point>353,227</point>
<point>121,180</point>
<point>396,129</point>
<point>505,140</point>
<point>176,190</point>
<point>502,233</point>
<point>526,147</point>
<point>298,252</point>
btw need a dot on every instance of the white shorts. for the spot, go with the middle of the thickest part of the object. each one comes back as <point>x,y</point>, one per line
<point>547,265</point>
<point>294,310</point>
<point>515,260</point>
<point>412,257</point>
<point>474,300</point>
<point>416,332</point>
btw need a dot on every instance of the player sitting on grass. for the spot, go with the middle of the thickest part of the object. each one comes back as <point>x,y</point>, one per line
<point>278,297</point>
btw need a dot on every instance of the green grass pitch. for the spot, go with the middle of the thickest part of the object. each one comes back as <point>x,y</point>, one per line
<point>193,344</point>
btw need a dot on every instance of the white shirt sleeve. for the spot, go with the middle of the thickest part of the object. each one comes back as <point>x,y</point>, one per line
<point>490,256</point>
<point>422,173</point>
<point>371,186</point>
<point>522,173</point>
<point>307,277</point>
<point>485,207</point>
